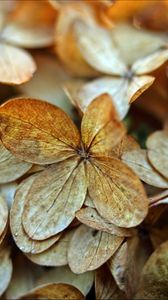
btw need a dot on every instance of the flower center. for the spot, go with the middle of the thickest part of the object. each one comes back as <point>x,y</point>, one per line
<point>83,154</point>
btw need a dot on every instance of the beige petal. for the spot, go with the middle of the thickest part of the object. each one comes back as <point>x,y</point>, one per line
<point>82,282</point>
<point>104,56</point>
<point>100,128</point>
<point>17,66</point>
<point>21,239</point>
<point>157,145</point>
<point>127,263</point>
<point>34,136</point>
<point>105,285</point>
<point>8,191</point>
<point>154,200</point>
<point>55,255</point>
<point>54,291</point>
<point>89,202</point>
<point>47,82</point>
<point>154,284</point>
<point>5,269</point>
<point>138,85</point>
<point>65,42</point>
<point>90,248</point>
<point>90,217</point>
<point>31,25</point>
<point>24,277</point>
<point>137,160</point>
<point>11,168</point>
<point>116,87</point>
<point>132,49</point>
<point>150,63</point>
<point>57,193</point>
<point>117,193</point>
<point>3,215</point>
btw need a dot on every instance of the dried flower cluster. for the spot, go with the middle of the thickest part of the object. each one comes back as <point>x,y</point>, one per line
<point>83,166</point>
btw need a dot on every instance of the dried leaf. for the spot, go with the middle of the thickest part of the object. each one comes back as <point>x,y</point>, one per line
<point>57,193</point>
<point>157,145</point>
<point>5,269</point>
<point>40,140</point>
<point>105,285</point>
<point>20,237</point>
<point>55,255</point>
<point>138,161</point>
<point>153,283</point>
<point>90,217</point>
<point>90,248</point>
<point>113,183</point>
<point>11,168</point>
<point>55,291</point>
<point>3,215</point>
<point>17,66</point>
<point>83,282</point>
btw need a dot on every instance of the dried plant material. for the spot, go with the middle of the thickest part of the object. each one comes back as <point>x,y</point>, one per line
<point>11,168</point>
<point>47,83</point>
<point>20,237</point>
<point>82,166</point>
<point>55,291</point>
<point>127,263</point>
<point>31,24</point>
<point>90,217</point>
<point>83,282</point>
<point>157,145</point>
<point>127,144</point>
<point>57,255</point>
<point>66,185</point>
<point>65,43</point>
<point>138,161</point>
<point>130,69</point>
<point>4,234</point>
<point>89,202</point>
<point>90,248</point>
<point>3,215</point>
<point>21,284</point>
<point>153,283</point>
<point>30,130</point>
<point>129,204</point>
<point>17,66</point>
<point>105,285</point>
<point>5,269</point>
<point>161,198</point>
<point>7,191</point>
<point>158,236</point>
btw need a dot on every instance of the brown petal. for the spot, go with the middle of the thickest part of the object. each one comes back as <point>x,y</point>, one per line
<point>55,255</point>
<point>55,196</point>
<point>138,85</point>
<point>3,215</point>
<point>82,282</point>
<point>11,168</point>
<point>90,217</point>
<point>101,130</point>
<point>158,236</point>
<point>127,263</point>
<point>90,248</point>
<point>105,285</point>
<point>128,143</point>
<point>157,145</point>
<point>20,237</point>
<point>154,283</point>
<point>17,66</point>
<point>55,291</point>
<point>35,136</point>
<point>31,25</point>
<point>5,269</point>
<point>138,161</point>
<point>117,192</point>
